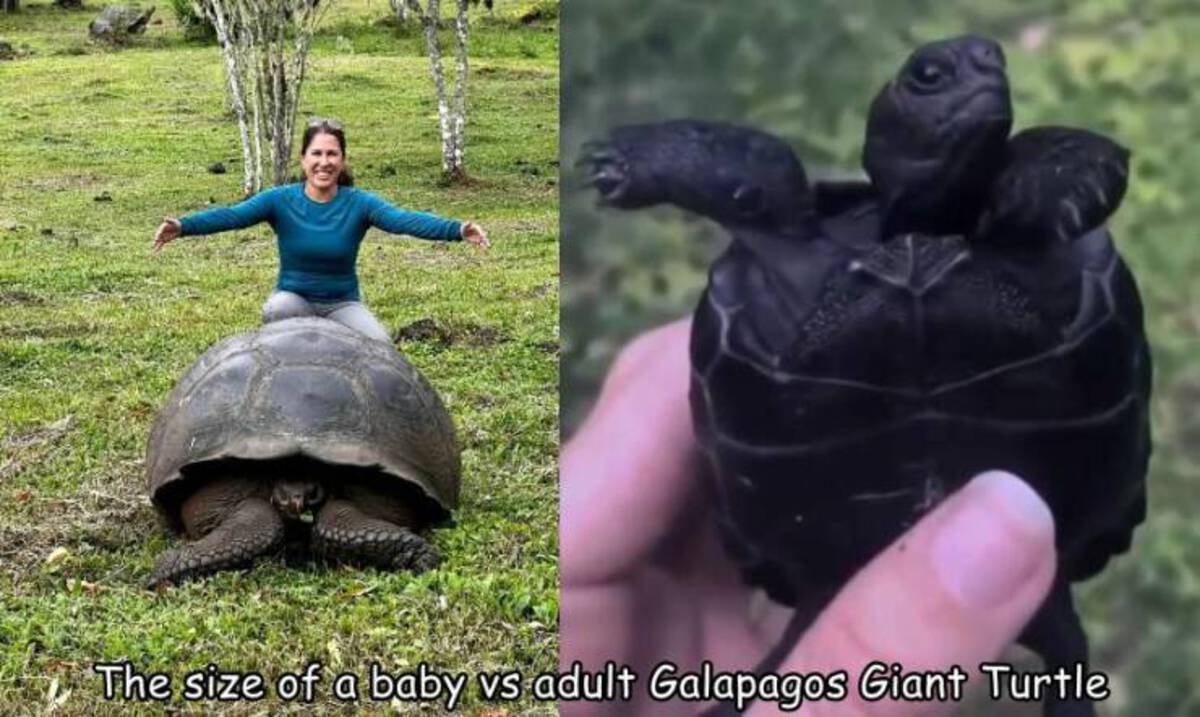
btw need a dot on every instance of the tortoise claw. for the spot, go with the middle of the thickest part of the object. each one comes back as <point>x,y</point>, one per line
<point>611,185</point>
<point>165,573</point>
<point>425,560</point>
<point>343,533</point>
<point>609,173</point>
<point>250,531</point>
<point>609,169</point>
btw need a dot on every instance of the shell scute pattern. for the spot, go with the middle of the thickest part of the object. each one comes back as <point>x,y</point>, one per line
<point>964,370</point>
<point>305,387</point>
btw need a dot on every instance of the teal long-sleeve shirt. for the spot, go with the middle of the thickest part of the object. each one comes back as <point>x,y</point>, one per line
<point>318,241</point>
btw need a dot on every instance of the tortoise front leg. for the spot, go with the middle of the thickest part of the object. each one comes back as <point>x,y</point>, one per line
<point>737,176</point>
<point>252,528</point>
<point>344,533</point>
<point>1056,634</point>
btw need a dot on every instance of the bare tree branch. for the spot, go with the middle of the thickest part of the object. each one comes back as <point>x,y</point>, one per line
<point>265,72</point>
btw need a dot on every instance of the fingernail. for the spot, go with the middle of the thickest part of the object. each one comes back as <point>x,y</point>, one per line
<point>991,544</point>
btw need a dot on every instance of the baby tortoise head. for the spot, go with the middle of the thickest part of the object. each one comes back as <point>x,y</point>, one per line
<point>936,135</point>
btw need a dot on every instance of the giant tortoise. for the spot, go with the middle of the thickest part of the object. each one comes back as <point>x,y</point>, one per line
<point>301,427</point>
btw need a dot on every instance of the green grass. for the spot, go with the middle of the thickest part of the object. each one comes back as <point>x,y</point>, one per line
<point>95,330</point>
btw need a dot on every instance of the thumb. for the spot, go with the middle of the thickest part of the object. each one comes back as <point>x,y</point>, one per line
<point>955,590</point>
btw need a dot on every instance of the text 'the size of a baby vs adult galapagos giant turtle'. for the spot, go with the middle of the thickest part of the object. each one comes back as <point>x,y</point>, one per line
<point>863,349</point>
<point>302,428</point>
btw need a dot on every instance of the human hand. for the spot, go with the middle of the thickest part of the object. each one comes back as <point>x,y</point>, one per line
<point>474,234</point>
<point>168,231</point>
<point>645,578</point>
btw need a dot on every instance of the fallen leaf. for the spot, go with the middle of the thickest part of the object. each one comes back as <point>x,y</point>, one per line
<point>367,590</point>
<point>61,424</point>
<point>54,700</point>
<point>335,652</point>
<point>56,556</point>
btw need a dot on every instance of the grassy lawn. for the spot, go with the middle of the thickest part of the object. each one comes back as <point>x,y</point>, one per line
<point>97,145</point>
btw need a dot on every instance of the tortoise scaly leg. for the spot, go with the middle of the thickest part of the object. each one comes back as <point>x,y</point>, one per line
<point>344,533</point>
<point>251,529</point>
<point>1056,634</point>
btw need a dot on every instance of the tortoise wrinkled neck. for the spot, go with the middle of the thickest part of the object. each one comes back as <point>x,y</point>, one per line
<point>936,135</point>
<point>931,176</point>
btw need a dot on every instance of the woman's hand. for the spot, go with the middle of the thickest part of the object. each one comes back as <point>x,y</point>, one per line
<point>168,231</point>
<point>474,234</point>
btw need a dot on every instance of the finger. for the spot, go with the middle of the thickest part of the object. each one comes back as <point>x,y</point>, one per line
<point>630,467</point>
<point>955,590</point>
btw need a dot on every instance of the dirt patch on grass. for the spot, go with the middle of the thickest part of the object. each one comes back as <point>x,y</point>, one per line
<point>44,435</point>
<point>11,297</point>
<point>482,401</point>
<point>512,73</point>
<point>63,182</point>
<point>109,512</point>
<point>52,331</point>
<point>540,291</point>
<point>429,331</point>
<point>36,528</point>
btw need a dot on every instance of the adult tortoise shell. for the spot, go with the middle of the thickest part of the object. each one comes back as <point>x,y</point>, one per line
<point>298,400</point>
<point>864,349</point>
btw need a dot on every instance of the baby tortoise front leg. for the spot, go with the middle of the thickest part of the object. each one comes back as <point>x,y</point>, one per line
<point>368,528</point>
<point>737,176</point>
<point>1056,633</point>
<point>236,526</point>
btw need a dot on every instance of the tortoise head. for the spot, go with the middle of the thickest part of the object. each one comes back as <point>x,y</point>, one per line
<point>936,135</point>
<point>294,496</point>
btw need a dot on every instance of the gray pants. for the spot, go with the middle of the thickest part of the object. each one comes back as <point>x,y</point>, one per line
<point>287,305</point>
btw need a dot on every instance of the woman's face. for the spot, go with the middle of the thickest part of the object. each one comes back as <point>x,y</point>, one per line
<point>323,161</point>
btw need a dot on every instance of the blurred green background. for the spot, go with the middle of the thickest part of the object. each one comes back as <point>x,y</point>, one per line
<point>807,72</point>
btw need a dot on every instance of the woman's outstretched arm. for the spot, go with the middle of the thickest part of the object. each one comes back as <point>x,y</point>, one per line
<point>219,219</point>
<point>420,224</point>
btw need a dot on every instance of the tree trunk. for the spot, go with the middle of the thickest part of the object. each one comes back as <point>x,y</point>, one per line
<point>429,21</point>
<point>237,94</point>
<point>265,71</point>
<point>459,108</point>
<point>451,111</point>
<point>9,5</point>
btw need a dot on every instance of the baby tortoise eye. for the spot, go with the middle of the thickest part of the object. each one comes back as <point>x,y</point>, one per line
<point>929,74</point>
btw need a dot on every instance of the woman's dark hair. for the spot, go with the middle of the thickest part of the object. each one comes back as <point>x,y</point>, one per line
<point>323,126</point>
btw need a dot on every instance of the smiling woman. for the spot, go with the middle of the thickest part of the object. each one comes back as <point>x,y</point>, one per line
<point>320,224</point>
